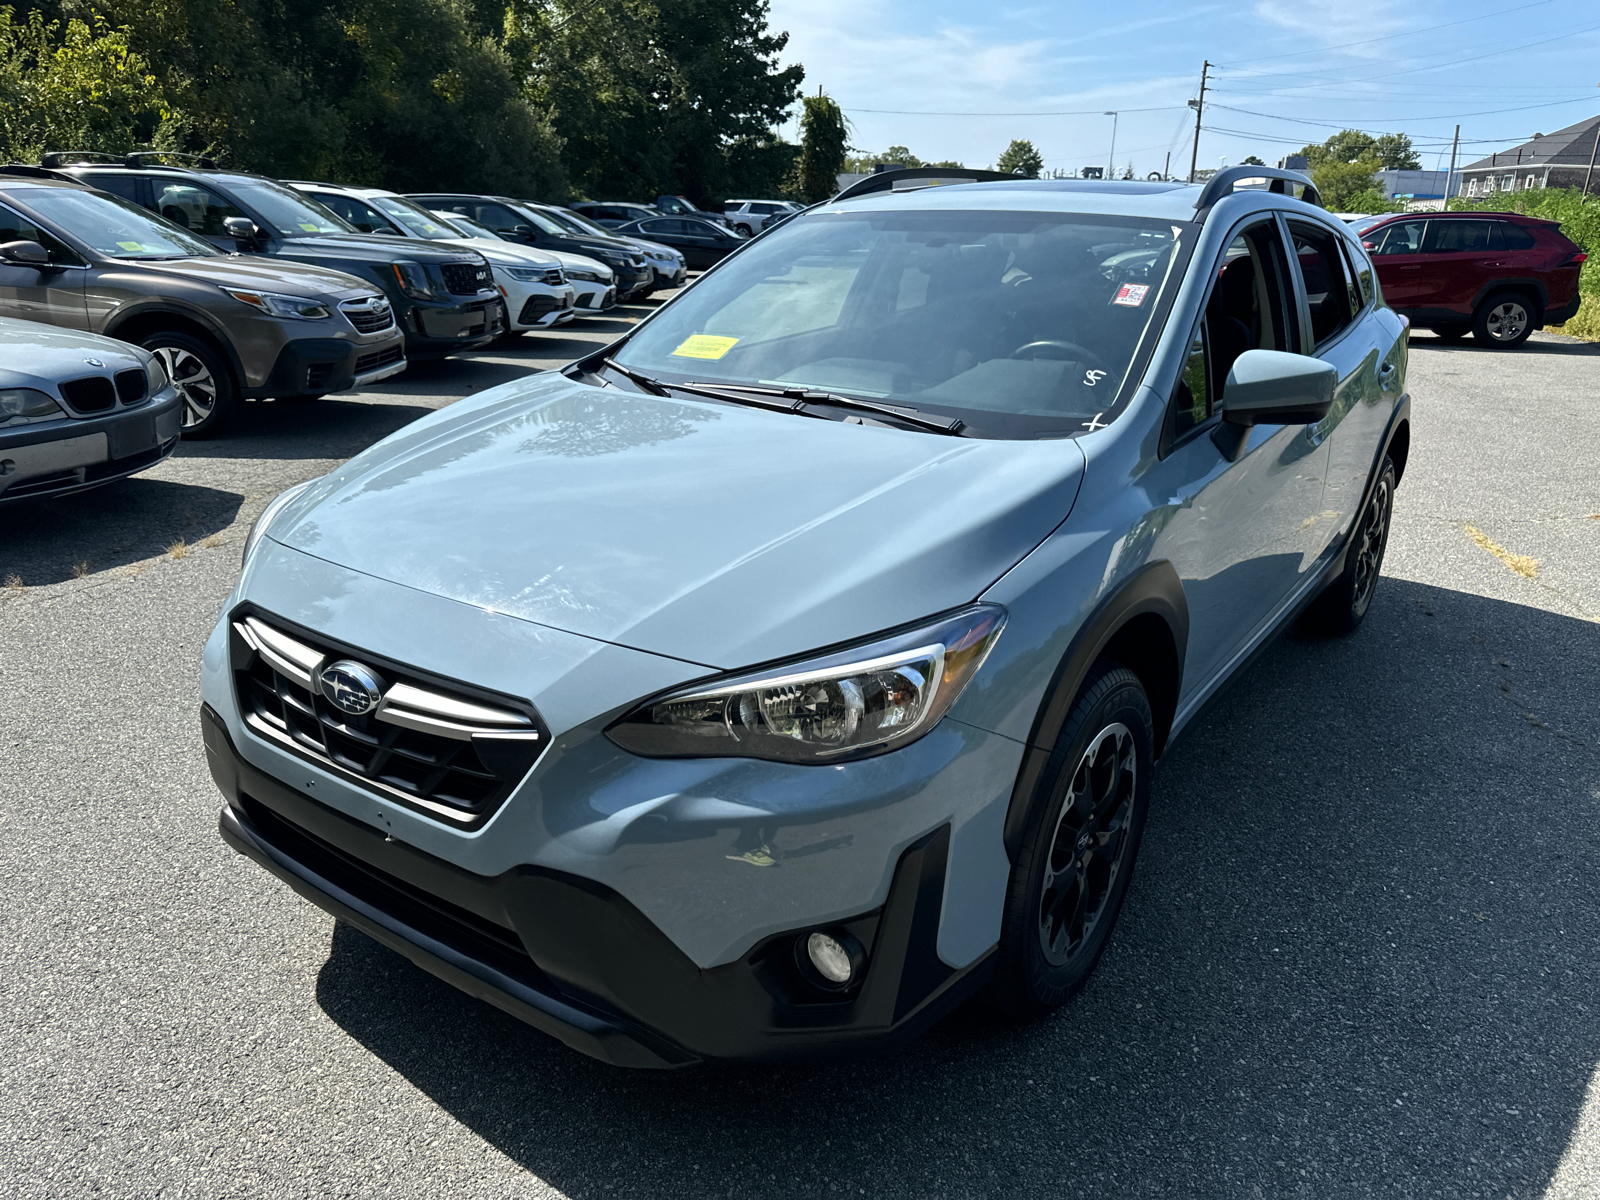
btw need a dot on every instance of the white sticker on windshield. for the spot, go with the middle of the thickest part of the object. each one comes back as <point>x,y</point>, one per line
<point>1131,294</point>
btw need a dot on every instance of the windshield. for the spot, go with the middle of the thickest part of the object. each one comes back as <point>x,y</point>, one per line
<point>579,224</point>
<point>1362,224</point>
<point>289,212</point>
<point>468,227</point>
<point>543,223</point>
<point>1021,324</point>
<point>415,219</point>
<point>116,228</point>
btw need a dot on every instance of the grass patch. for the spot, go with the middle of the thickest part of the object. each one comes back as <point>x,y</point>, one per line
<point>79,570</point>
<point>13,583</point>
<point>178,549</point>
<point>212,542</point>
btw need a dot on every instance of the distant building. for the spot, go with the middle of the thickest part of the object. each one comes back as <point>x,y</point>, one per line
<point>1559,159</point>
<point>1294,162</point>
<point>1417,185</point>
<point>1092,173</point>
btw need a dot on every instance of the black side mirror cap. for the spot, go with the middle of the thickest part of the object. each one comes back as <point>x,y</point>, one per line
<point>25,254</point>
<point>241,228</point>
<point>1272,387</point>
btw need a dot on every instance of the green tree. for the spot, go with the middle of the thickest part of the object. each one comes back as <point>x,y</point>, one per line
<point>901,155</point>
<point>1251,161</point>
<point>1341,184</point>
<point>1020,157</point>
<point>1391,151</point>
<point>824,133</point>
<point>75,86</point>
<point>1395,151</point>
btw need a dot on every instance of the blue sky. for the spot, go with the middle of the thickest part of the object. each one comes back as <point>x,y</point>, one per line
<point>1287,73</point>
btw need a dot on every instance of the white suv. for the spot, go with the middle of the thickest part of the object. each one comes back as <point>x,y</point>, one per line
<point>751,216</point>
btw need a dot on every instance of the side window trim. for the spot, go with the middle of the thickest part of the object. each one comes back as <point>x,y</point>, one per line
<point>83,260</point>
<point>1307,332</point>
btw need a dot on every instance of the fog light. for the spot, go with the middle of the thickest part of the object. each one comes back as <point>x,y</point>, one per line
<point>831,959</point>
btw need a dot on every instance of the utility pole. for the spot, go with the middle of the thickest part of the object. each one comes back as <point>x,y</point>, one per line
<point>1450,174</point>
<point>1592,150</point>
<point>1111,159</point>
<point>1199,107</point>
<point>1166,171</point>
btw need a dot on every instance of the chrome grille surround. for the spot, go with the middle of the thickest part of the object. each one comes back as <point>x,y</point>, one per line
<point>369,314</point>
<point>443,749</point>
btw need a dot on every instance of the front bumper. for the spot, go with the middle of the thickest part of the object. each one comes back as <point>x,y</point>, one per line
<point>669,277</point>
<point>593,298</point>
<point>317,366</point>
<point>575,959</point>
<point>61,457</point>
<point>630,283</point>
<point>433,330</point>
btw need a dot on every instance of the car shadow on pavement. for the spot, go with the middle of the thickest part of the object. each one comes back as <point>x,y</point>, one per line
<point>1360,957</point>
<point>335,427</point>
<point>1534,345</point>
<point>47,540</point>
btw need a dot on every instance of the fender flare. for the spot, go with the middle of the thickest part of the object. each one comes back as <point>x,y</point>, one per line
<point>1536,286</point>
<point>1154,589</point>
<point>1400,416</point>
<point>138,311</point>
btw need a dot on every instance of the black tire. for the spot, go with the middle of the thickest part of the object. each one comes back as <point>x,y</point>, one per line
<point>202,375</point>
<point>1344,602</point>
<point>1503,321</point>
<point>1084,825</point>
<point>1451,333</point>
<point>742,228</point>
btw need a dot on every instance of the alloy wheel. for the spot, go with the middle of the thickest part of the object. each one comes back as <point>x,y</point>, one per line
<point>1369,547</point>
<point>1506,321</point>
<point>1091,844</point>
<point>193,379</point>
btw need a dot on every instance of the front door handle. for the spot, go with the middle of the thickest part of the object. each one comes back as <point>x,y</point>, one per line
<point>1386,374</point>
<point>1412,267</point>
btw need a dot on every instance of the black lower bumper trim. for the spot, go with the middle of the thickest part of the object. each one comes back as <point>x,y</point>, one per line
<point>576,959</point>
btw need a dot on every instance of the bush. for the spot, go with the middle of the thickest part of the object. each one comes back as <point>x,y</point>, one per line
<point>1580,221</point>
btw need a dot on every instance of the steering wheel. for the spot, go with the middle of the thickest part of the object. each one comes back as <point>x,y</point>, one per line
<point>1073,351</point>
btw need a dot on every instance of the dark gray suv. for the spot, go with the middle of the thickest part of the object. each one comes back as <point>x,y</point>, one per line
<point>226,327</point>
<point>443,297</point>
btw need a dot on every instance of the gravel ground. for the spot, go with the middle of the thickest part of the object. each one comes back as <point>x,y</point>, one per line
<point>1360,957</point>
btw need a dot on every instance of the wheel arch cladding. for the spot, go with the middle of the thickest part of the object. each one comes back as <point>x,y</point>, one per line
<point>1400,447</point>
<point>1144,626</point>
<point>143,323</point>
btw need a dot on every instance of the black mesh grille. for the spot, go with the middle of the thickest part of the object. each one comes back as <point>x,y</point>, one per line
<point>540,306</point>
<point>89,395</point>
<point>317,374</point>
<point>374,319</point>
<point>131,386</point>
<point>467,778</point>
<point>467,278</point>
<point>379,358</point>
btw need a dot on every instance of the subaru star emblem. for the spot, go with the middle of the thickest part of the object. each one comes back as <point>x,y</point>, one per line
<point>94,362</point>
<point>351,687</point>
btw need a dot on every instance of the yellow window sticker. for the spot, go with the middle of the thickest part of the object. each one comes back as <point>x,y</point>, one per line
<point>131,247</point>
<point>705,345</point>
<point>308,226</point>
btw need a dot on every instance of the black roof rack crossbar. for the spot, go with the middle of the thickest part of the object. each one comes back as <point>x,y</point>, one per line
<point>58,158</point>
<point>139,158</point>
<point>884,181</point>
<point>1226,180</point>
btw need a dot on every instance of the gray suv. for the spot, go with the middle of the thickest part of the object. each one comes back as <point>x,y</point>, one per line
<point>226,327</point>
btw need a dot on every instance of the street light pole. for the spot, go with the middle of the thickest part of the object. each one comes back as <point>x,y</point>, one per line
<point>1111,159</point>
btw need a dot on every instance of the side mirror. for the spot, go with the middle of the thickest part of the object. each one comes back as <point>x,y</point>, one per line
<point>25,254</point>
<point>522,230</point>
<point>241,228</point>
<point>1270,387</point>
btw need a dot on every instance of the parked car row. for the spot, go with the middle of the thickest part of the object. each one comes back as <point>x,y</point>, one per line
<point>242,287</point>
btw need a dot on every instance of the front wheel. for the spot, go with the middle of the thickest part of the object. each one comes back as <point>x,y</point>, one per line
<point>1503,321</point>
<point>1344,603</point>
<point>1078,848</point>
<point>201,375</point>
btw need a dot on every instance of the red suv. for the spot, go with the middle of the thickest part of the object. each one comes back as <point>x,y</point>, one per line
<point>1498,275</point>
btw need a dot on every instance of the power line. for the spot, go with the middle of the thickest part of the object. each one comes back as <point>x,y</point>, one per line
<point>1076,112</point>
<point>1398,120</point>
<point>1391,36</point>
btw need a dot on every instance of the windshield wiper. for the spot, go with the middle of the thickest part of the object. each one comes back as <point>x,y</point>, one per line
<point>658,387</point>
<point>808,396</point>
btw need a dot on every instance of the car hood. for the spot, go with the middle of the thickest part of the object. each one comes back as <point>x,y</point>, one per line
<point>656,247</point>
<point>266,274</point>
<point>376,248</point>
<point>581,262</point>
<point>40,356</point>
<point>587,245</point>
<point>717,534</point>
<point>504,254</point>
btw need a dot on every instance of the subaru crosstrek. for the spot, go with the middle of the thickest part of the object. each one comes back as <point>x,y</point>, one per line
<point>796,666</point>
<point>227,327</point>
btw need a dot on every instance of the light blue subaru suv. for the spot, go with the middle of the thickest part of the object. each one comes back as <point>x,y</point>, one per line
<point>795,667</point>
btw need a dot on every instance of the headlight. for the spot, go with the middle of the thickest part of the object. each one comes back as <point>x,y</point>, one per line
<point>292,307</point>
<point>527,274</point>
<point>155,376</point>
<point>23,406</point>
<point>847,704</point>
<point>414,282</point>
<point>590,276</point>
<point>258,527</point>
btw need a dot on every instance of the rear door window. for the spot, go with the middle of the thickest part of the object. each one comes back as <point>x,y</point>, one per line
<point>1458,236</point>
<point>1322,270</point>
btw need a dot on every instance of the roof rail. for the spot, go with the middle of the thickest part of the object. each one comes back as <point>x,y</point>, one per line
<point>1226,180</point>
<point>58,158</point>
<point>139,158</point>
<point>28,171</point>
<point>884,181</point>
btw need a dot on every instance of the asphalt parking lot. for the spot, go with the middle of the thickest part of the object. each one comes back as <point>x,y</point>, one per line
<point>1361,955</point>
